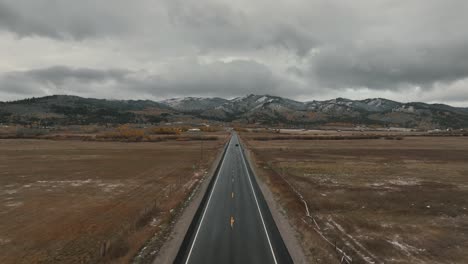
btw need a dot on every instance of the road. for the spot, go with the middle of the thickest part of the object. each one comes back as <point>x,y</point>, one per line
<point>234,223</point>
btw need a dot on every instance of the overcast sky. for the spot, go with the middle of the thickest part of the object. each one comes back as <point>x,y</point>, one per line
<point>405,50</point>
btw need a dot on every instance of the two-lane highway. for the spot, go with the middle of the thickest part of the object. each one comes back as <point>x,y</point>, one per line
<point>234,224</point>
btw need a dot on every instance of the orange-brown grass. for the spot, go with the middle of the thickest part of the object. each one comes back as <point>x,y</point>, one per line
<point>392,201</point>
<point>210,129</point>
<point>91,202</point>
<point>166,130</point>
<point>122,133</point>
<point>241,129</point>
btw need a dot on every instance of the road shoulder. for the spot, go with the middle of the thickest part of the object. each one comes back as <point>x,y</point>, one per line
<point>170,248</point>
<point>287,232</point>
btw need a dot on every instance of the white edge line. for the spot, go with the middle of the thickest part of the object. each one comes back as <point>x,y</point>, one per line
<point>207,204</point>
<point>258,207</point>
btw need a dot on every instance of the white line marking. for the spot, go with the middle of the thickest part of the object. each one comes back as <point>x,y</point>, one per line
<point>258,207</point>
<point>208,204</point>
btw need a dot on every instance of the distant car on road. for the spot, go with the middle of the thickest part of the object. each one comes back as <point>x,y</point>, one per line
<point>237,145</point>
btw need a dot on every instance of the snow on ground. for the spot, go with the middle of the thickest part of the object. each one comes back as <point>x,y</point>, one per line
<point>104,186</point>
<point>13,204</point>
<point>408,250</point>
<point>109,187</point>
<point>362,251</point>
<point>74,183</point>
<point>407,182</point>
<point>4,241</point>
<point>10,192</point>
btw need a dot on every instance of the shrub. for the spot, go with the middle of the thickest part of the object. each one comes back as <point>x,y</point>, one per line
<point>124,132</point>
<point>393,137</point>
<point>146,216</point>
<point>89,129</point>
<point>31,132</point>
<point>240,129</point>
<point>209,129</point>
<point>129,133</point>
<point>166,131</point>
<point>118,248</point>
<point>204,138</point>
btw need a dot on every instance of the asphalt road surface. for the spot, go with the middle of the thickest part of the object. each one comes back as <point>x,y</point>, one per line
<point>234,224</point>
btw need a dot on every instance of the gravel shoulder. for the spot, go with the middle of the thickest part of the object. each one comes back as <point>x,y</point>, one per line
<point>169,250</point>
<point>288,233</point>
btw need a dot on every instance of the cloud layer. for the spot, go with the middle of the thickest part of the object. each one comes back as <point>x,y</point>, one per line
<point>303,49</point>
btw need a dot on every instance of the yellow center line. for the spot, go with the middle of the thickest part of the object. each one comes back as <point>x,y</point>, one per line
<point>232,195</point>
<point>232,222</point>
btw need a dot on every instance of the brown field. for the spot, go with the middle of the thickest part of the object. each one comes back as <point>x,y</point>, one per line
<point>378,200</point>
<point>89,202</point>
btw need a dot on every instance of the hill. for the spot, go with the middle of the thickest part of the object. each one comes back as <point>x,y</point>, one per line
<point>250,109</point>
<point>274,110</point>
<point>66,110</point>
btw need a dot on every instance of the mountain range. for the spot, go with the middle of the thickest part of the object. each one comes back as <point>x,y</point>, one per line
<point>250,109</point>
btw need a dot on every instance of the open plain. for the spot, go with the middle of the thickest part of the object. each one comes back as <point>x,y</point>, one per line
<point>377,200</point>
<point>87,202</point>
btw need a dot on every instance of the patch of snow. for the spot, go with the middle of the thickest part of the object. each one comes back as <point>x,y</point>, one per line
<point>375,102</point>
<point>277,107</point>
<point>154,222</point>
<point>376,184</point>
<point>409,182</point>
<point>240,98</point>
<point>4,241</point>
<point>174,101</point>
<point>109,187</point>
<point>407,249</point>
<point>262,99</point>
<point>405,109</point>
<point>257,107</point>
<point>10,192</point>
<point>13,204</point>
<point>56,184</point>
<point>369,258</point>
<point>386,225</point>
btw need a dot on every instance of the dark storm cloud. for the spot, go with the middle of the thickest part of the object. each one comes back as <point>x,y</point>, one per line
<point>227,48</point>
<point>219,78</point>
<point>60,74</point>
<point>410,44</point>
<point>390,67</point>
<point>56,78</point>
<point>216,25</point>
<point>188,77</point>
<point>62,19</point>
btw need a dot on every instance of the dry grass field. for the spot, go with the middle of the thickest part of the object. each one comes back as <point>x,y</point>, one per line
<point>378,200</point>
<point>92,202</point>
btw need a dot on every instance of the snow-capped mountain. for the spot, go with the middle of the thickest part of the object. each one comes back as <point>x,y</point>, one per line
<point>273,109</point>
<point>238,107</point>
<point>256,109</point>
<point>194,104</point>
